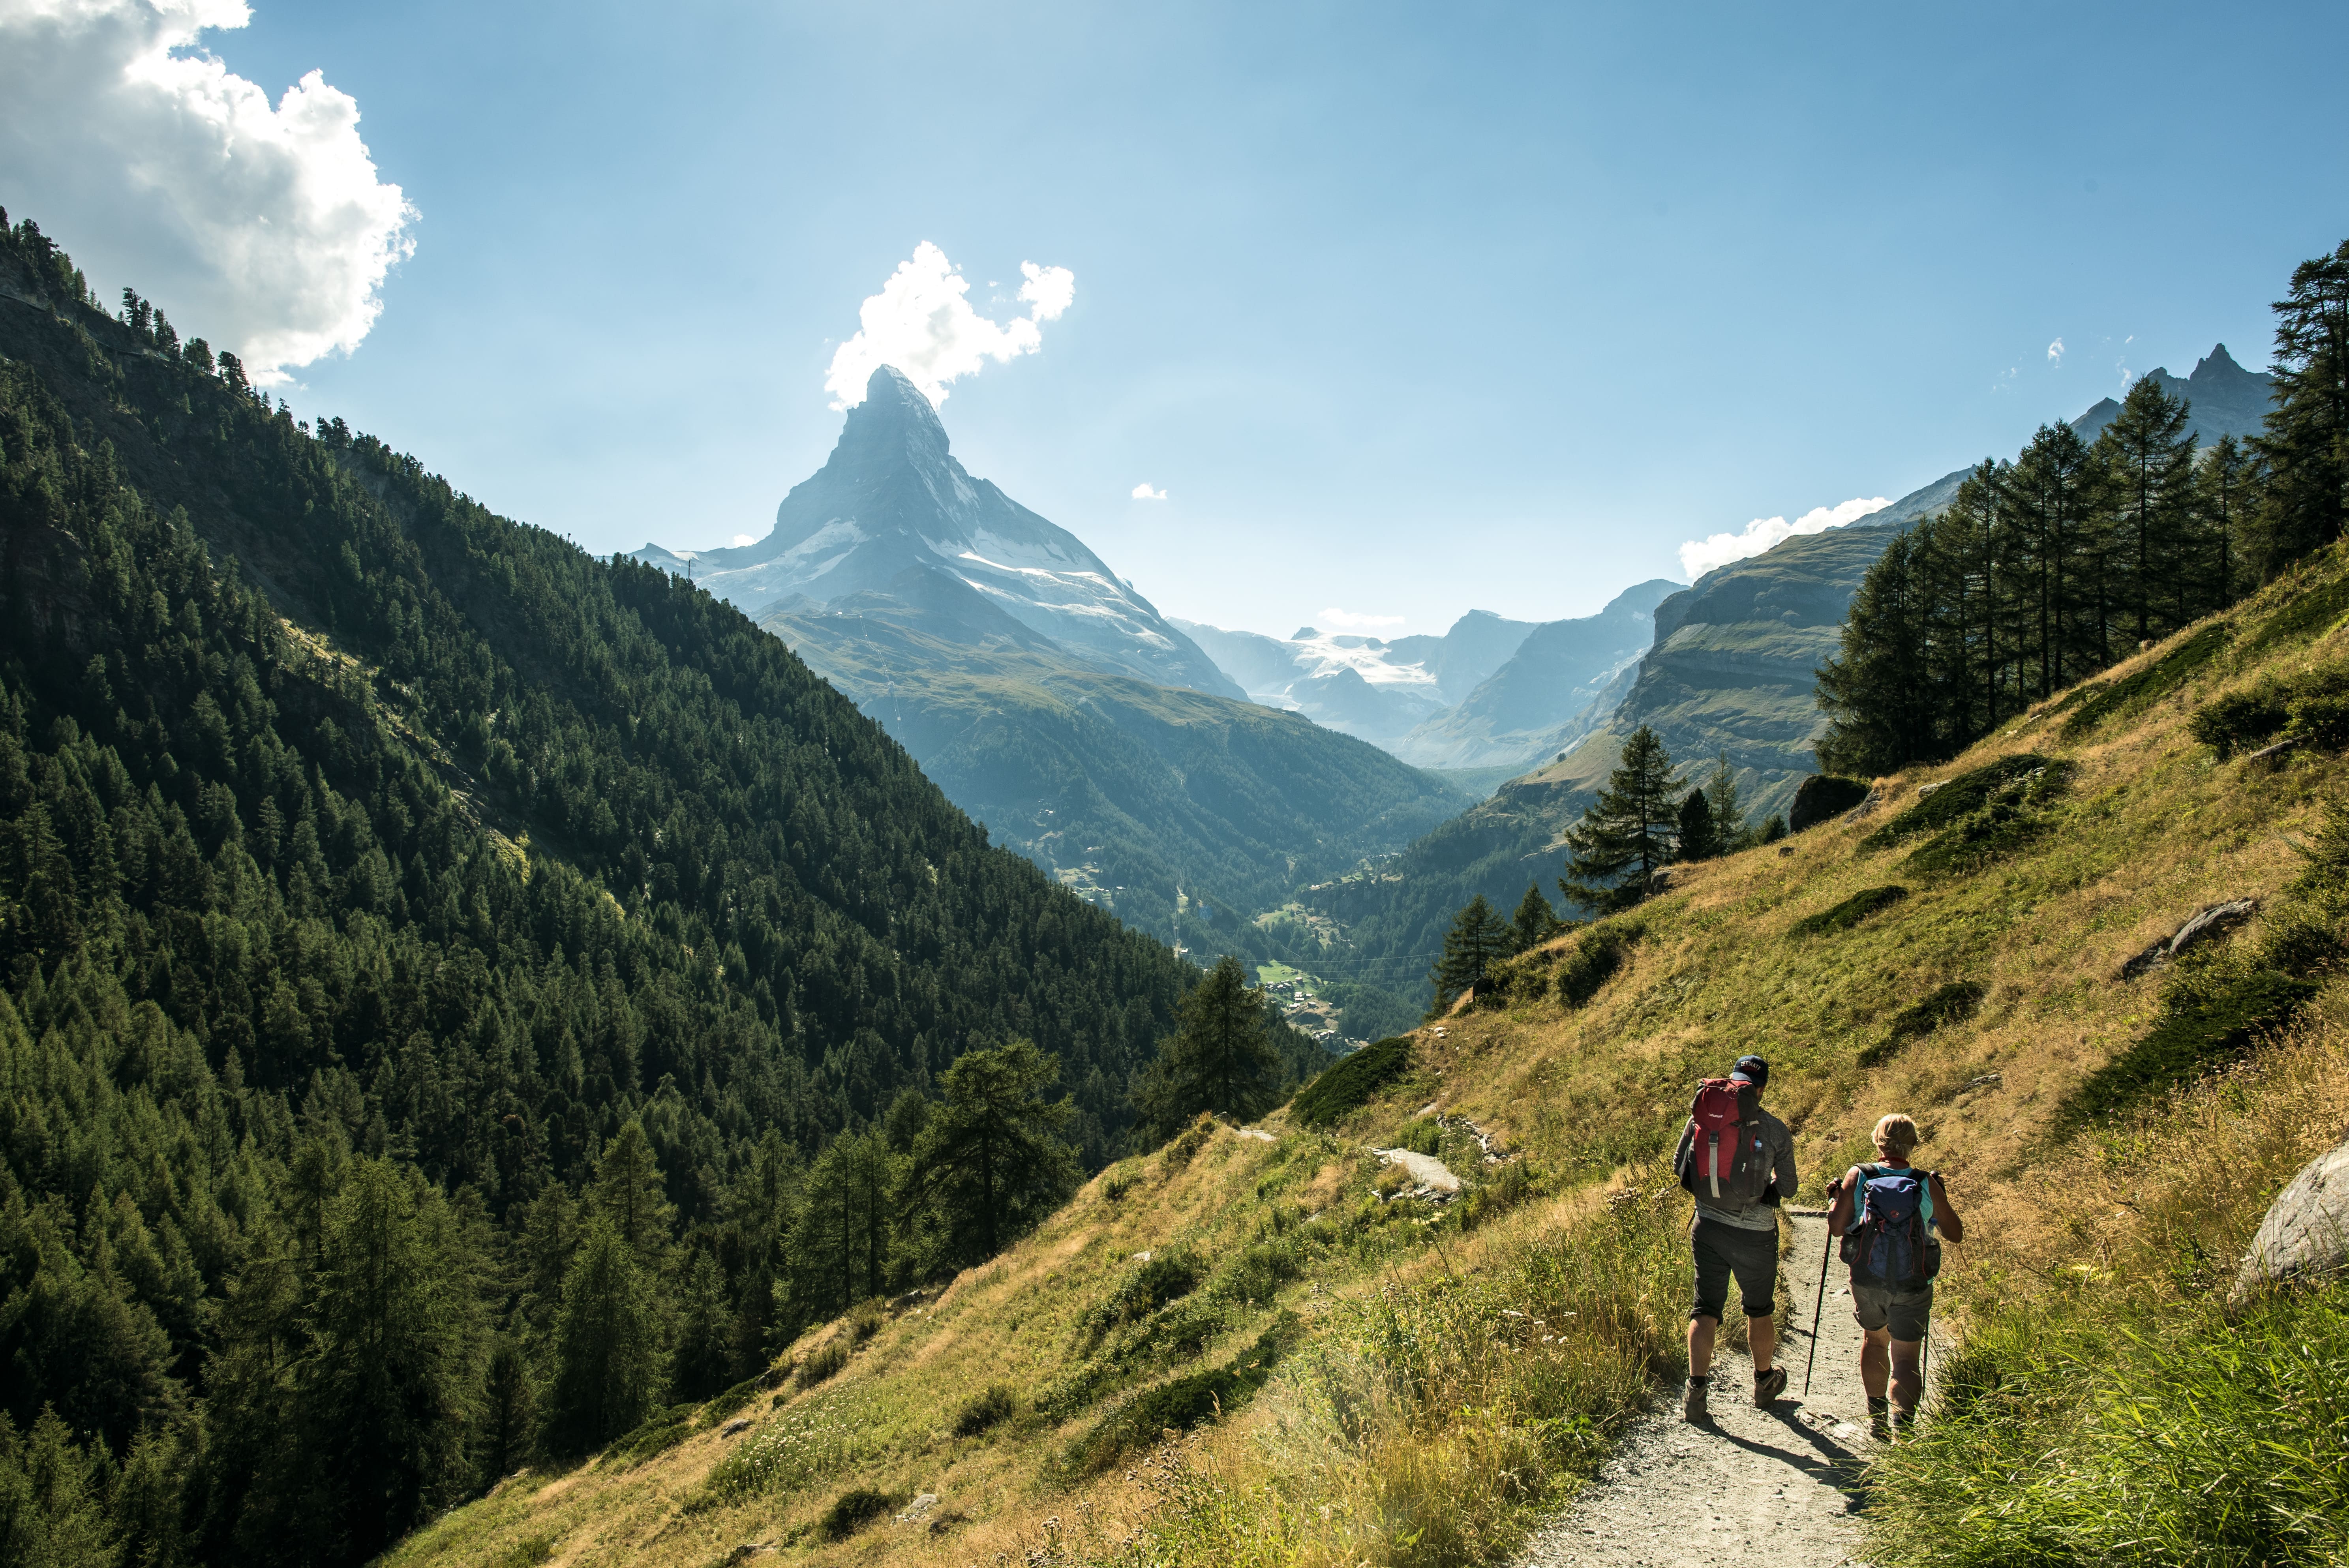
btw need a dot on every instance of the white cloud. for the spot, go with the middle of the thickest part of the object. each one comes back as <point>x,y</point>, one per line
<point>922,323</point>
<point>1144,493</point>
<point>1700,556</point>
<point>1354,620</point>
<point>2055,352</point>
<point>263,228</point>
<point>743,539</point>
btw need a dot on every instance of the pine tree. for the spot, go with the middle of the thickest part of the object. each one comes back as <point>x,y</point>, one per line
<point>704,1361</point>
<point>1627,834</point>
<point>990,1161</point>
<point>2149,456</point>
<point>1730,831</point>
<point>1875,690</point>
<point>1535,922</point>
<point>1478,938</point>
<point>608,1349</point>
<point>2306,443</point>
<point>1220,1058</point>
<point>1697,840</point>
<point>630,1195</point>
<point>2228,487</point>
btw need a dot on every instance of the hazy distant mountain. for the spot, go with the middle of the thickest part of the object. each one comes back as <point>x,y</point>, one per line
<point>1365,687</point>
<point>1046,697</point>
<point>1548,694</point>
<point>2226,399</point>
<point>892,499</point>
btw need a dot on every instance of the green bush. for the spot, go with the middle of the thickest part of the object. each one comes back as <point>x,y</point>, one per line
<point>1348,1084</point>
<point>658,1434</point>
<point>2059,1435</point>
<point>1850,913</point>
<point>853,1509</point>
<point>1184,1403</point>
<point>2208,1013</point>
<point>1166,1276</point>
<point>2301,616</point>
<point>1967,793</point>
<point>1593,960</point>
<point>2010,819</point>
<point>825,1360</point>
<point>988,1408</point>
<point>2241,720</point>
<point>724,1404</point>
<point>1945,1006</point>
<point>2156,681</point>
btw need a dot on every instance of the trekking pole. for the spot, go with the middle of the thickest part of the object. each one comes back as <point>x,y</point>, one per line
<point>1819,1309</point>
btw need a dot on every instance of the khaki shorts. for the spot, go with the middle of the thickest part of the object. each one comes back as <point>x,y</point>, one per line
<point>1904,1311</point>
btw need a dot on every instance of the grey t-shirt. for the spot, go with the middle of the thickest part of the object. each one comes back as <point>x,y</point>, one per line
<point>1761,1216</point>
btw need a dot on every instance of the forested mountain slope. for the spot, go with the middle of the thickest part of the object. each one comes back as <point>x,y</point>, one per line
<point>1130,792</point>
<point>383,874</point>
<point>1362,1370</point>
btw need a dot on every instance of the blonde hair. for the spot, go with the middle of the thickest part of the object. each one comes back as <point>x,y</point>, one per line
<point>1895,1136</point>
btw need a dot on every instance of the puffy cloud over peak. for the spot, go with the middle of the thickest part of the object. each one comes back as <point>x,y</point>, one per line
<point>922,321</point>
<point>261,226</point>
<point>1699,556</point>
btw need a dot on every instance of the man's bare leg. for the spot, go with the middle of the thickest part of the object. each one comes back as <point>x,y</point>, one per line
<point>1762,1334</point>
<point>1699,1345</point>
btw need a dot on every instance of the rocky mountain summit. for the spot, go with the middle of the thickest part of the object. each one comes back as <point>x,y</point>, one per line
<point>2226,399</point>
<point>893,517</point>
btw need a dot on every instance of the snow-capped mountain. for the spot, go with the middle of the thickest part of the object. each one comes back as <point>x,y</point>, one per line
<point>1366,687</point>
<point>892,500</point>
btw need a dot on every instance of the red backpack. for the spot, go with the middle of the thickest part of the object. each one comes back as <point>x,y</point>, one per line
<point>1724,1157</point>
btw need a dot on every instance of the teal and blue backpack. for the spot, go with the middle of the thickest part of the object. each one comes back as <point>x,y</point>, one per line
<point>1889,1240</point>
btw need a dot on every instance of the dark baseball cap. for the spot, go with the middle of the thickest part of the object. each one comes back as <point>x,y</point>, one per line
<point>1750,1070</point>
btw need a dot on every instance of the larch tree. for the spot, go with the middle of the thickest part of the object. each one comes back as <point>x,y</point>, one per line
<point>1625,835</point>
<point>1220,1059</point>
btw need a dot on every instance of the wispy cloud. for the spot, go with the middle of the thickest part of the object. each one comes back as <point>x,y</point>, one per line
<point>922,323</point>
<point>1144,493</point>
<point>263,226</point>
<point>1699,556</point>
<point>2055,352</point>
<point>1356,621</point>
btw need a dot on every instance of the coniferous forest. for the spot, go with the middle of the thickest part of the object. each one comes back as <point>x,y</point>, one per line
<point>2052,566</point>
<point>460,993</point>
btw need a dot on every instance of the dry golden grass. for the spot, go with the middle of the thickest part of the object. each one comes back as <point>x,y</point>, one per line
<point>1422,1417</point>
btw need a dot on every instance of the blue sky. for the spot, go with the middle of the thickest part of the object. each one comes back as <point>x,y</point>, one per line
<point>1406,308</point>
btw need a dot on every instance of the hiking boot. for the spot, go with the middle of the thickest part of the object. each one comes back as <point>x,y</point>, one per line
<point>1904,1424</point>
<point>1768,1386</point>
<point>1693,1401</point>
<point>1879,1420</point>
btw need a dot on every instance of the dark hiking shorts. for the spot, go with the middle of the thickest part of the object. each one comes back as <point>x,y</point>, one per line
<point>1905,1311</point>
<point>1725,1249</point>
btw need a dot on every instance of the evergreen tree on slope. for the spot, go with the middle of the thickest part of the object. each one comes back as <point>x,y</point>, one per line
<point>1627,834</point>
<point>1220,1060</point>
<point>1478,938</point>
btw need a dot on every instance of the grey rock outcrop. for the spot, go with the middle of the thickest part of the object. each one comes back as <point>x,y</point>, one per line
<point>2211,920</point>
<point>2305,1234</point>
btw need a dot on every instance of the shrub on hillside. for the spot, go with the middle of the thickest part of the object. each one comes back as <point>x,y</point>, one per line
<point>1946,1006</point>
<point>853,1509</point>
<point>1960,797</point>
<point>1850,913</point>
<point>2303,615</point>
<point>1163,1277</point>
<point>823,1362</point>
<point>2310,708</point>
<point>1185,1144</point>
<point>987,1410</point>
<point>1593,961</point>
<point>2013,817</point>
<point>659,1433</point>
<point>2156,680</point>
<point>2209,1012</point>
<point>1346,1085</point>
<point>1184,1403</point>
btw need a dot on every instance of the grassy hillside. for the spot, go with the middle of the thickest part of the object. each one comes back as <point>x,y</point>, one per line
<point>1363,1375</point>
<point>1122,790</point>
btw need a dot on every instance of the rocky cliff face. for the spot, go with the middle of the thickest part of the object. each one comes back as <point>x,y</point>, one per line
<point>2226,399</point>
<point>892,500</point>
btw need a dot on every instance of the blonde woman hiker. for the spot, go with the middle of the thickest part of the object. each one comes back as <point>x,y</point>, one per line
<point>1736,1159</point>
<point>1891,1217</point>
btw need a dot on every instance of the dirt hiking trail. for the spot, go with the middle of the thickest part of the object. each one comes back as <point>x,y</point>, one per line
<point>1778,1486</point>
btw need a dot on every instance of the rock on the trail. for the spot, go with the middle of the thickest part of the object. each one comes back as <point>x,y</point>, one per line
<point>919,1508</point>
<point>738,1424</point>
<point>1820,797</point>
<point>2306,1232</point>
<point>1432,1175</point>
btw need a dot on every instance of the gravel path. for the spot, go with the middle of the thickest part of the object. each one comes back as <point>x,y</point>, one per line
<point>1776,1487</point>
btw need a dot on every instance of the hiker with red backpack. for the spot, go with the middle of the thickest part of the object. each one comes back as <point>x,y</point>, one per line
<point>1889,1214</point>
<point>1736,1159</point>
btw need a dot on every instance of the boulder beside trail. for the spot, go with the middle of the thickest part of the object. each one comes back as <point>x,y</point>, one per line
<point>2306,1232</point>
